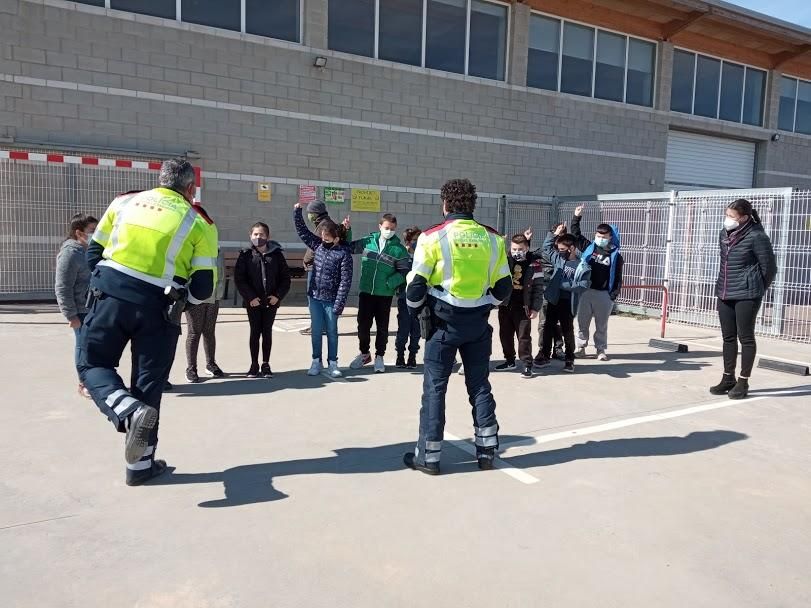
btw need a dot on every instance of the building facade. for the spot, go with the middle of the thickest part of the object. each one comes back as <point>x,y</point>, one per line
<point>529,99</point>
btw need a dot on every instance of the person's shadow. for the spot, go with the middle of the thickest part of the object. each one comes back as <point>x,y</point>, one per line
<point>253,483</point>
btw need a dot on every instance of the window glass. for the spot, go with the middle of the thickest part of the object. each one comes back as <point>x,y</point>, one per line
<point>488,40</point>
<point>788,93</point>
<point>681,94</point>
<point>708,76</point>
<point>277,19</point>
<point>803,108</point>
<point>351,27</point>
<point>156,8</point>
<point>92,2</point>
<point>400,35</point>
<point>753,91</point>
<point>609,79</point>
<point>731,92</point>
<point>578,59</point>
<point>544,48</point>
<point>224,14</point>
<point>445,43</point>
<point>641,67</point>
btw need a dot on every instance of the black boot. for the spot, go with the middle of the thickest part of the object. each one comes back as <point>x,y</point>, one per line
<point>429,468</point>
<point>485,456</point>
<point>136,478</point>
<point>412,361</point>
<point>722,388</point>
<point>140,426</point>
<point>401,362</point>
<point>740,390</point>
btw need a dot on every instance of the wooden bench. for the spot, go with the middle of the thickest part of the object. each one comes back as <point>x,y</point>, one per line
<point>295,261</point>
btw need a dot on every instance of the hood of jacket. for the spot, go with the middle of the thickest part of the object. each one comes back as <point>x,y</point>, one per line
<point>615,236</point>
<point>272,246</point>
<point>74,245</point>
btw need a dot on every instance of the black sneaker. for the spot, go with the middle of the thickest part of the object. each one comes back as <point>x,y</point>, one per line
<point>412,361</point>
<point>486,458</point>
<point>507,365</point>
<point>266,373</point>
<point>136,478</point>
<point>568,367</point>
<point>213,370</point>
<point>527,373</point>
<point>191,376</point>
<point>740,390</point>
<point>541,361</point>
<point>253,372</point>
<point>140,426</point>
<point>429,468</point>
<point>400,363</point>
<point>722,388</point>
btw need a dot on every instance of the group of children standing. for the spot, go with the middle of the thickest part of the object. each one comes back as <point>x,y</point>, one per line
<point>569,277</point>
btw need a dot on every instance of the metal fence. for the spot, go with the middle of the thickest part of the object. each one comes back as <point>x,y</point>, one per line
<point>38,196</point>
<point>670,239</point>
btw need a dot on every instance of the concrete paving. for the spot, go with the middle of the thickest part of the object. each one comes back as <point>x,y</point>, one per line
<point>625,484</point>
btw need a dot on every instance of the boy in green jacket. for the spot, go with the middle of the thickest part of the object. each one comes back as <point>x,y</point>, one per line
<point>384,264</point>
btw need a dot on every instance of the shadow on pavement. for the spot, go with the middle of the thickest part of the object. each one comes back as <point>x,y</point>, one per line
<point>240,385</point>
<point>783,391</point>
<point>253,483</point>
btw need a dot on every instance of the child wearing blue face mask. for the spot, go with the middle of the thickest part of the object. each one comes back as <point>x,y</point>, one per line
<point>597,302</point>
<point>262,278</point>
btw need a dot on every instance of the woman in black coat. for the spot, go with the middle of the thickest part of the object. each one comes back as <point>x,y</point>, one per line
<point>747,270</point>
<point>263,279</point>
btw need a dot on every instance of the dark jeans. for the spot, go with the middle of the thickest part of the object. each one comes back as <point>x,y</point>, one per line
<point>559,313</point>
<point>261,320</point>
<point>737,319</point>
<point>541,322</point>
<point>473,340</point>
<point>408,329</point>
<point>78,334</point>
<point>512,322</point>
<point>377,309</point>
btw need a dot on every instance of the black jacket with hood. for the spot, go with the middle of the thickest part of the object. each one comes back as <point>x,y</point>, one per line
<point>261,275</point>
<point>748,265</point>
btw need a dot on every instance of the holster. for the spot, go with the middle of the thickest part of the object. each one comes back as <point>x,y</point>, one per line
<point>177,304</point>
<point>427,325</point>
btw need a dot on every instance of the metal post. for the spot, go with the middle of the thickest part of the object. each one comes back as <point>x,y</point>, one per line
<point>501,220</point>
<point>671,214</point>
<point>779,288</point>
<point>643,279</point>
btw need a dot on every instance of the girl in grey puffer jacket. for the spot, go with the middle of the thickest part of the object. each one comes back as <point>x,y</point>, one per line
<point>73,276</point>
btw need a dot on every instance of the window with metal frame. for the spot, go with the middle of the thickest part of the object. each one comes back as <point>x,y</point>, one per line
<point>583,60</point>
<point>154,8</point>
<point>91,2</point>
<point>461,36</point>
<point>223,14</point>
<point>279,19</point>
<point>717,88</point>
<point>795,105</point>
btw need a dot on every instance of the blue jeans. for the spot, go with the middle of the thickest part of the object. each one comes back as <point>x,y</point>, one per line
<point>78,332</point>
<point>322,316</point>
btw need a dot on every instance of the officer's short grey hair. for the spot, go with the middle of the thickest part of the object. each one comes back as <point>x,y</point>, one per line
<point>177,174</point>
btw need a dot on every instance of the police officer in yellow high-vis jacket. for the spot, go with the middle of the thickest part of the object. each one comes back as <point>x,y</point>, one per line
<point>151,252</point>
<point>460,272</point>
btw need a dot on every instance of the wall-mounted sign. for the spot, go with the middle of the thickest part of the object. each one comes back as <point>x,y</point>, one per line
<point>263,192</point>
<point>306,194</point>
<point>334,195</point>
<point>366,200</point>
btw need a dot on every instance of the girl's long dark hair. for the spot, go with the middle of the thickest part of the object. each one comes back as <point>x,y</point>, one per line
<point>744,207</point>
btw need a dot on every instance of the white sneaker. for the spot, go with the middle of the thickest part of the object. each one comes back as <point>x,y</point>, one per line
<point>360,361</point>
<point>333,370</point>
<point>580,353</point>
<point>380,365</point>
<point>315,368</point>
<point>601,356</point>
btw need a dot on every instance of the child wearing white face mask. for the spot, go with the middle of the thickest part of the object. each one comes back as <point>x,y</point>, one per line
<point>383,265</point>
<point>597,302</point>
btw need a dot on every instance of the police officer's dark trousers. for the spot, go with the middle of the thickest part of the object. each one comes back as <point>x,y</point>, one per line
<point>473,339</point>
<point>109,326</point>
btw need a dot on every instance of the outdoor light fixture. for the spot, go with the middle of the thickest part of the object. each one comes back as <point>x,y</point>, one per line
<point>776,137</point>
<point>320,62</point>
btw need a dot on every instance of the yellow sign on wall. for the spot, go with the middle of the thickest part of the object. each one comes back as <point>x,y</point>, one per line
<point>365,200</point>
<point>263,192</point>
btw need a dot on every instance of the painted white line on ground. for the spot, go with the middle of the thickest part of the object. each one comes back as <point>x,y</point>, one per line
<point>619,424</point>
<point>759,356</point>
<point>502,466</point>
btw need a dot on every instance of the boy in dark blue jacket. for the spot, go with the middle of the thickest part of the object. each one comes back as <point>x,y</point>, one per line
<point>570,278</point>
<point>408,326</point>
<point>597,302</point>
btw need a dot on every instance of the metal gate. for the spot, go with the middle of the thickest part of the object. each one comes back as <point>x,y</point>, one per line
<point>670,242</point>
<point>39,193</point>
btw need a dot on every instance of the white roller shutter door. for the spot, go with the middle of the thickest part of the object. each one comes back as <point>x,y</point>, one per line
<point>701,161</point>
